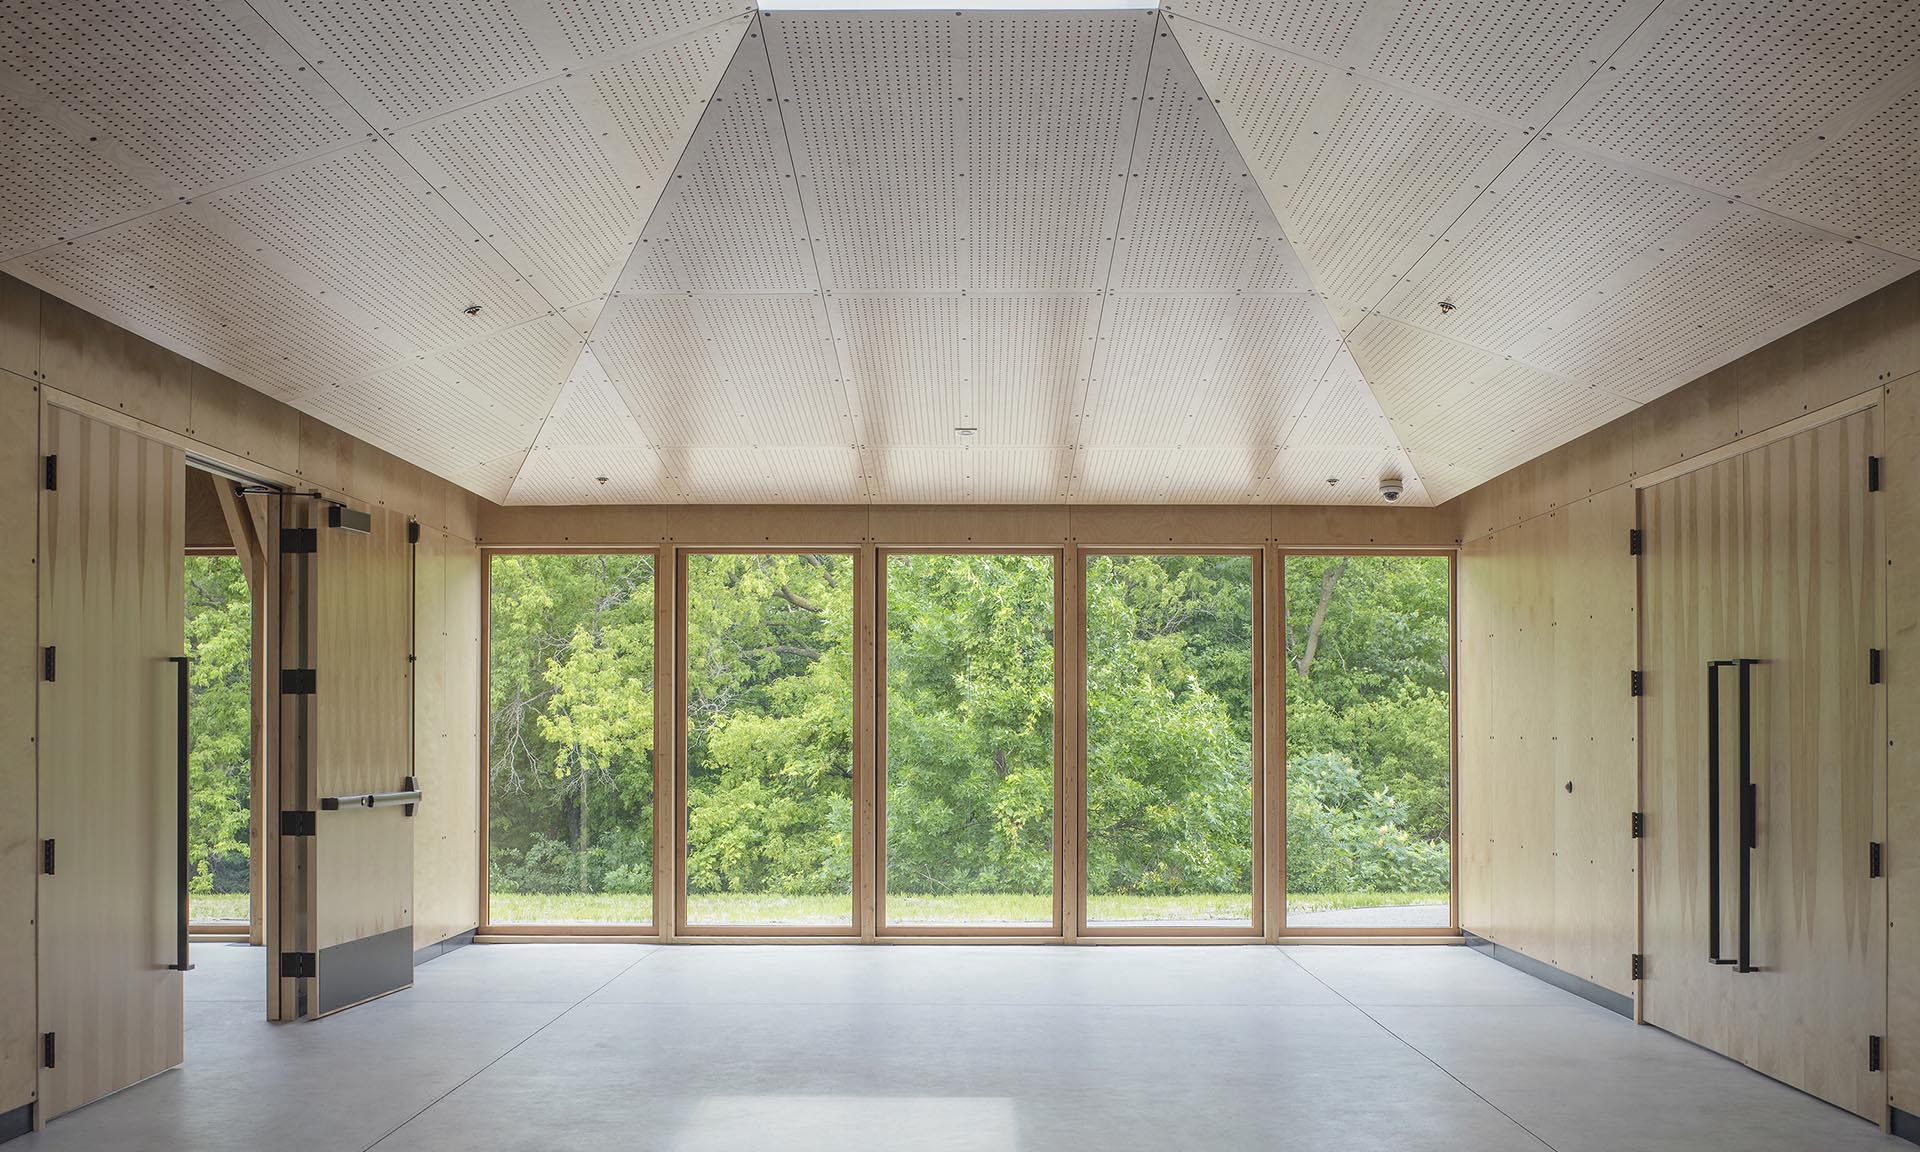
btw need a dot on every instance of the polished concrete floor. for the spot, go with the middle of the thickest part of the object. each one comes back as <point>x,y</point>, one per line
<point>584,1047</point>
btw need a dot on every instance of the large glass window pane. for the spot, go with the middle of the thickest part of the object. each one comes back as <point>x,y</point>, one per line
<point>1369,742</point>
<point>570,739</point>
<point>969,740</point>
<point>1170,750</point>
<point>769,683</point>
<point>219,627</point>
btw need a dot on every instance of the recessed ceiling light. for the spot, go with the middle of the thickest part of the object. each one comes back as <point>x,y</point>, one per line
<point>471,309</point>
<point>965,431</point>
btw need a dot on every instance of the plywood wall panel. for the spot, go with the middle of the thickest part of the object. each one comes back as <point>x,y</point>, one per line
<point>446,879</point>
<point>107,372</point>
<point>157,384</point>
<point>242,420</point>
<point>19,328</point>
<point>362,734</point>
<point>1547,642</point>
<point>80,353</point>
<point>111,594</point>
<point>1901,473</point>
<point>1871,344</point>
<point>19,476</point>
<point>1595,618</point>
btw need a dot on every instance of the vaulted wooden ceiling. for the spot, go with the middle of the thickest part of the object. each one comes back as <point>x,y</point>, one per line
<point>565,251</point>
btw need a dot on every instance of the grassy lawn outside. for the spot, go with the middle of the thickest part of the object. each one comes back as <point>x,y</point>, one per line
<point>217,907</point>
<point>984,908</point>
<point>637,908</point>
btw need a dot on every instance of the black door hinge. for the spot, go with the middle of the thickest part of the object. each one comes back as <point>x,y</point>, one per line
<point>1635,541</point>
<point>298,822</point>
<point>46,856</point>
<point>1876,868</point>
<point>1639,966</point>
<point>413,531</point>
<point>298,965</point>
<point>1873,665</point>
<point>299,541</point>
<point>1636,684</point>
<point>1873,1053</point>
<point>299,681</point>
<point>1639,825</point>
<point>46,1049</point>
<point>1873,473</point>
<point>46,664</point>
<point>51,474</point>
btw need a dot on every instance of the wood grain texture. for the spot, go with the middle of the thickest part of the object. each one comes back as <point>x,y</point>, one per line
<point>1013,525</point>
<point>1866,345</point>
<point>19,677</point>
<point>1901,474</point>
<point>363,860</point>
<point>446,848</point>
<point>112,601</point>
<point>1547,612</point>
<point>111,375</point>
<point>19,328</point>
<point>1773,555</point>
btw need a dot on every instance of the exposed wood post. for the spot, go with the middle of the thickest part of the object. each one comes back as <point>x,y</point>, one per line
<point>666,738</point>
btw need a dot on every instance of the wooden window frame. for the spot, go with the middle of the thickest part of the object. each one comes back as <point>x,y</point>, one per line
<point>1255,930</point>
<point>1452,929</point>
<point>867,923</point>
<point>486,924</point>
<point>240,931</point>
<point>857,925</point>
<point>1061,879</point>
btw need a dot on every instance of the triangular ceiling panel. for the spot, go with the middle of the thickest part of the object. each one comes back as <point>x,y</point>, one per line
<point>1232,251</point>
<point>1549,260</point>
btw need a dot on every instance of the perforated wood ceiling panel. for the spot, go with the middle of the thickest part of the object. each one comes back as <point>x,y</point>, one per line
<point>1387,170</point>
<point>873,119</point>
<point>383,44</point>
<point>180,281</point>
<point>1502,421</point>
<point>363,226</point>
<point>56,189</point>
<point>193,93</point>
<point>1234,250</point>
<point>1045,174</point>
<point>1506,57</point>
<point>1555,226</point>
<point>1716,91</point>
<point>603,27</point>
<point>1737,285</point>
<point>1194,216</point>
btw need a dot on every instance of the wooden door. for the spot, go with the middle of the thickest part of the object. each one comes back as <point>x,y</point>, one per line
<point>1773,556</point>
<point>113,538</point>
<point>347,890</point>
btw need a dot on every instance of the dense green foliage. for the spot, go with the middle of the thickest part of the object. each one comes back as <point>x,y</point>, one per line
<point>970,730</point>
<point>1368,726</point>
<point>571,725</point>
<point>219,633</point>
<point>1169,728</point>
<point>769,726</point>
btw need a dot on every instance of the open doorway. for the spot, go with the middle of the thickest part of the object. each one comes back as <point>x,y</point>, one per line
<point>224,889</point>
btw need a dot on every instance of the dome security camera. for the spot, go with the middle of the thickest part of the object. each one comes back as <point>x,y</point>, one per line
<point>1390,488</point>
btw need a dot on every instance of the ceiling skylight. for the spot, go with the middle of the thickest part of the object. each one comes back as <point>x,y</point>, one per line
<point>948,6</point>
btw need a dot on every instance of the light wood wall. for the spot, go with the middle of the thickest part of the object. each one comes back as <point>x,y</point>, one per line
<point>53,353</point>
<point>939,525</point>
<point>19,684</point>
<point>1546,543</point>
